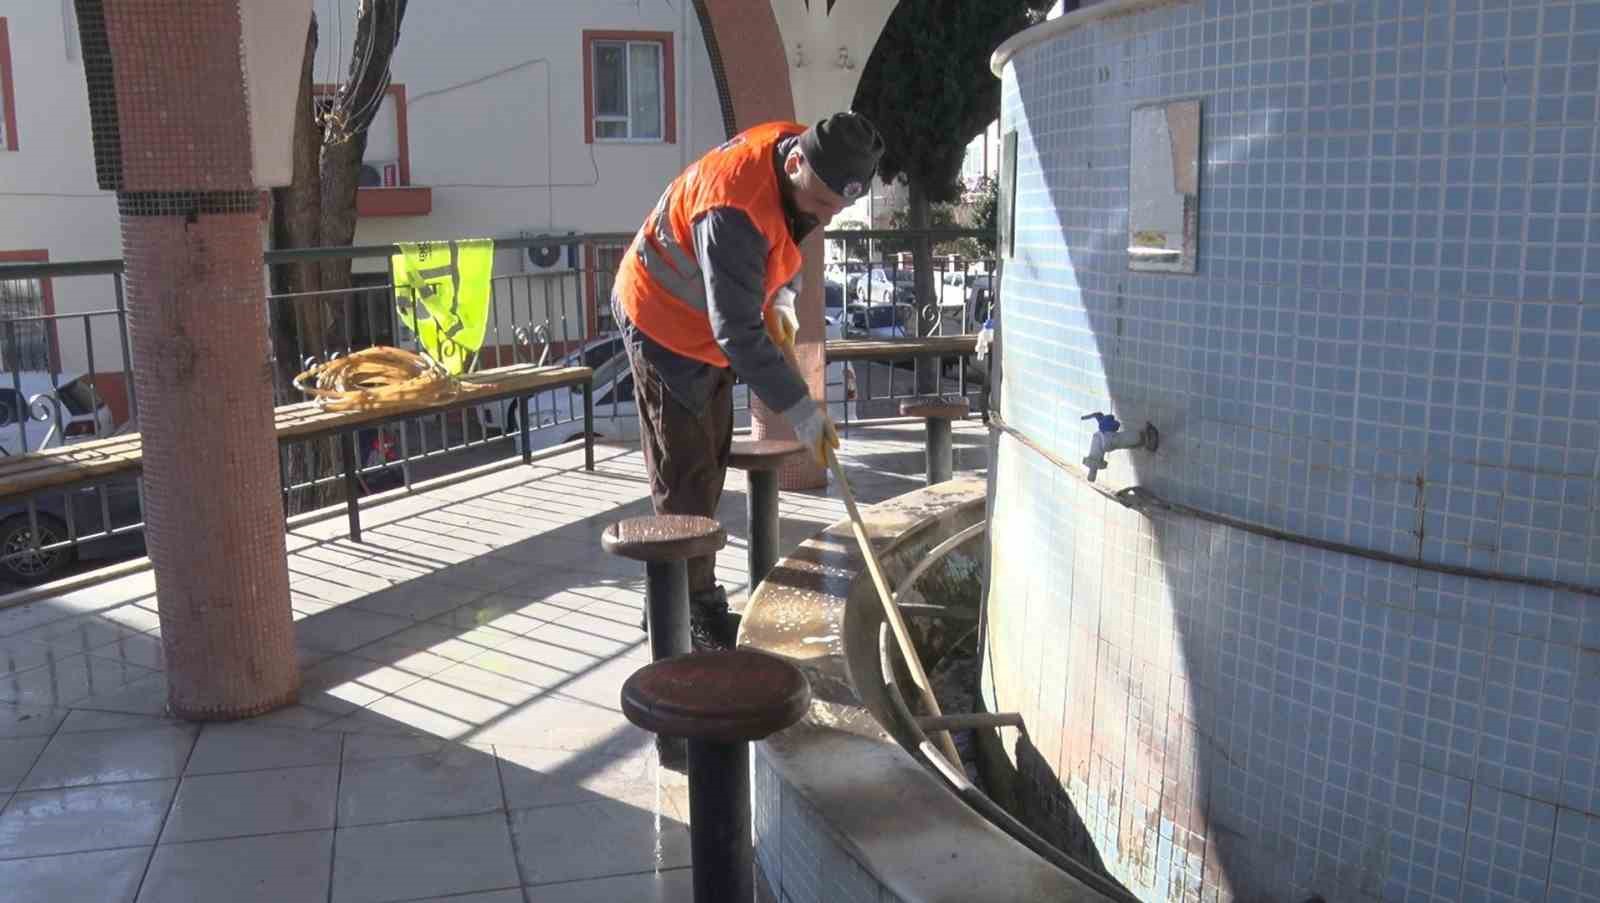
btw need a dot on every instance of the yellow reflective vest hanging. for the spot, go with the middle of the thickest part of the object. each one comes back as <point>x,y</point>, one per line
<point>441,293</point>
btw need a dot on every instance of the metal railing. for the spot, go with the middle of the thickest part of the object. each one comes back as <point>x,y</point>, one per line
<point>538,314</point>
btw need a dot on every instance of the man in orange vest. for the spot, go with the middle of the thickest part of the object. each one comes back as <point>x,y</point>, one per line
<point>707,291</point>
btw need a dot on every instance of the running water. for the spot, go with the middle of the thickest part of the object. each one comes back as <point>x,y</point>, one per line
<point>655,773</point>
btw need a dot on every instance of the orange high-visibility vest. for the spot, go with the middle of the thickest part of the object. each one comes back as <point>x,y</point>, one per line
<point>660,285</point>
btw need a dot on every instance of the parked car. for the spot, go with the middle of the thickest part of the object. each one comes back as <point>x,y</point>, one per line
<point>880,321</point>
<point>558,417</point>
<point>83,414</point>
<point>833,298</point>
<point>966,297</point>
<point>20,563</point>
<point>878,286</point>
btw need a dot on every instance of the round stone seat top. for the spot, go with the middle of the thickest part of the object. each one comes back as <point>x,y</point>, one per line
<point>936,407</point>
<point>734,696</point>
<point>762,454</point>
<point>664,537</point>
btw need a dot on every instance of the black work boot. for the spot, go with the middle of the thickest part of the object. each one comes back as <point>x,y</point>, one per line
<point>712,626</point>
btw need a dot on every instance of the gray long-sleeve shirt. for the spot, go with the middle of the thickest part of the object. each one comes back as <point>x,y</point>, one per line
<point>732,254</point>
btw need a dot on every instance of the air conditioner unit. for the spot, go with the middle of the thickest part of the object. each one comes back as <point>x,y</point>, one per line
<point>554,253</point>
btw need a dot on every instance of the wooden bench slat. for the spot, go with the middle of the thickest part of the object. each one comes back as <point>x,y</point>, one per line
<point>890,349</point>
<point>117,455</point>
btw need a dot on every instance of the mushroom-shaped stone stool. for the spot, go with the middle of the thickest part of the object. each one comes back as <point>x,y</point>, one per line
<point>665,543</point>
<point>761,459</point>
<point>937,413</point>
<point>719,702</point>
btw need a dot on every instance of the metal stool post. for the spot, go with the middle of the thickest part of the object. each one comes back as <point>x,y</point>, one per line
<point>937,413</point>
<point>761,459</point>
<point>720,702</point>
<point>665,543</point>
<point>666,605</point>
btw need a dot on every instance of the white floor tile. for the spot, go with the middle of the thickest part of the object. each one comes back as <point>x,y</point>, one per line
<point>81,720</point>
<point>547,777</point>
<point>28,720</point>
<point>452,781</point>
<point>107,876</point>
<point>68,680</point>
<point>275,869</point>
<point>343,629</point>
<point>408,860</point>
<point>253,802</point>
<point>250,746</point>
<point>593,840</point>
<point>106,757</point>
<point>672,886</point>
<point>17,755</point>
<point>84,818</point>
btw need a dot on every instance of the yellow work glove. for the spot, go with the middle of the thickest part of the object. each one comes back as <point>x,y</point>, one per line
<point>785,322</point>
<point>788,326</point>
<point>817,433</point>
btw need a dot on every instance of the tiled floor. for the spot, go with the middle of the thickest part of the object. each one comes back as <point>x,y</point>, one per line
<point>458,736</point>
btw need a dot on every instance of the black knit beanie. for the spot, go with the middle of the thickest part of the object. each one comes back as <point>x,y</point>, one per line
<point>843,151</point>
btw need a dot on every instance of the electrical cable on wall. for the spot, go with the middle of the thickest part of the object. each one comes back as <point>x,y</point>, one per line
<point>549,153</point>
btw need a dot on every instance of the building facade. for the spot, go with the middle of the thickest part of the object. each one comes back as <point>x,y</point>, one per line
<point>502,120</point>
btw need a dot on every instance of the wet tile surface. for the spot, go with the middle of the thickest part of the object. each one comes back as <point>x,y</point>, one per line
<point>453,781</point>
<point>556,843</point>
<point>17,756</point>
<point>405,860</point>
<point>253,802</point>
<point>107,876</point>
<point>273,869</point>
<point>463,661</point>
<point>104,757</point>
<point>84,818</point>
<point>247,746</point>
<point>670,886</point>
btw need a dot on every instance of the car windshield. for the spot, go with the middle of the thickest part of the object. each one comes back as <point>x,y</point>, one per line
<point>78,397</point>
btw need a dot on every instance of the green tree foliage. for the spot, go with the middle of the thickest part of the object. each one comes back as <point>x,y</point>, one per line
<point>928,88</point>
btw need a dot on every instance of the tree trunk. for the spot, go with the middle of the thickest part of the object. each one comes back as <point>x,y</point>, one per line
<point>297,223</point>
<point>927,301</point>
<point>318,209</point>
<point>376,33</point>
<point>341,176</point>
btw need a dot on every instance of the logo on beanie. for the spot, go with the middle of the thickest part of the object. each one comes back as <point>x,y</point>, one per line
<point>852,191</point>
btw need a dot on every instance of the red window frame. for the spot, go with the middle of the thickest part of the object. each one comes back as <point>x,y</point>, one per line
<point>47,299</point>
<point>8,99</point>
<point>669,82</point>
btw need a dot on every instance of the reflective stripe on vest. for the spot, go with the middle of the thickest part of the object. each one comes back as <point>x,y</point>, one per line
<point>668,263</point>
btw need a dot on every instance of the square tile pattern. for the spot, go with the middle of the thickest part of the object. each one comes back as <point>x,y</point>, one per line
<point>1393,343</point>
<point>459,738</point>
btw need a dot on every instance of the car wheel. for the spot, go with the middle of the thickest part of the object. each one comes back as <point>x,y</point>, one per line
<point>20,562</point>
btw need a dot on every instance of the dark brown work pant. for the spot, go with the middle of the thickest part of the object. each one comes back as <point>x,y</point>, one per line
<point>686,454</point>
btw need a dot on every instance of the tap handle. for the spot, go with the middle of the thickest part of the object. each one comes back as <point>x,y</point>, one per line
<point>1108,423</point>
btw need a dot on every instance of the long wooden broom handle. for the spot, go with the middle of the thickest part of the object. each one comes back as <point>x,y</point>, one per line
<point>891,612</point>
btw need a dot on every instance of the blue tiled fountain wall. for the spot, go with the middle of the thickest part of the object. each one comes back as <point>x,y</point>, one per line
<point>1392,342</point>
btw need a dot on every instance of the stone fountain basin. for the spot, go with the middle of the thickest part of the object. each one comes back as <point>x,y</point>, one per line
<point>842,810</point>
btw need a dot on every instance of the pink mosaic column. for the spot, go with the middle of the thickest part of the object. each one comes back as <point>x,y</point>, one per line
<point>754,70</point>
<point>171,128</point>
